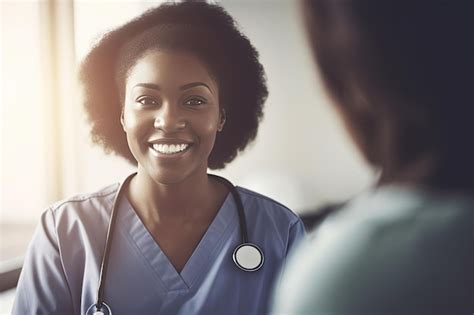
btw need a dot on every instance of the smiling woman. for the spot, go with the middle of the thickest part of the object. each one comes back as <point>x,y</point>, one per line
<point>176,91</point>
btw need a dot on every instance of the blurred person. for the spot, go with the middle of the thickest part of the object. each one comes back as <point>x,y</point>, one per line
<point>175,91</point>
<point>400,74</point>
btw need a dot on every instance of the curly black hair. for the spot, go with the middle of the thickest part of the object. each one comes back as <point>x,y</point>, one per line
<point>204,30</point>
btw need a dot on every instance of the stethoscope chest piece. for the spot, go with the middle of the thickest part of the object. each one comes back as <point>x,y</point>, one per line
<point>94,310</point>
<point>248,257</point>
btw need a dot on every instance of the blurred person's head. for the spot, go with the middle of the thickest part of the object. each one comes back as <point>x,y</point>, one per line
<point>201,31</point>
<point>400,74</point>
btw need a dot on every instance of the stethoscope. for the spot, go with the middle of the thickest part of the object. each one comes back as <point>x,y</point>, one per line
<point>246,256</point>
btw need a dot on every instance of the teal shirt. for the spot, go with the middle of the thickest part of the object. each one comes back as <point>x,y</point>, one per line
<point>395,250</point>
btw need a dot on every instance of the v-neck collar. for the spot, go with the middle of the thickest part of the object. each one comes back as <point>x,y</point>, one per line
<point>200,260</point>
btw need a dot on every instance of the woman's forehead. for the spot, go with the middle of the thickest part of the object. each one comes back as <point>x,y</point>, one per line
<point>169,68</point>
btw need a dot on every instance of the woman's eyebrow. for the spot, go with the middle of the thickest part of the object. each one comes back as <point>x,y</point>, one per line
<point>148,86</point>
<point>193,84</point>
<point>181,88</point>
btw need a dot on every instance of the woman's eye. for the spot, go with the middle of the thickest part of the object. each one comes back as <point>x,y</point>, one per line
<point>147,101</point>
<point>194,102</point>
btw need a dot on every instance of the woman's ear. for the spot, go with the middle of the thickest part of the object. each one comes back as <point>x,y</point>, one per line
<point>122,120</point>
<point>222,119</point>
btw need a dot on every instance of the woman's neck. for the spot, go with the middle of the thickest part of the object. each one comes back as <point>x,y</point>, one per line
<point>193,198</point>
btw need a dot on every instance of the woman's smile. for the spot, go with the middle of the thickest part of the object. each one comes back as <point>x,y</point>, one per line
<point>169,148</point>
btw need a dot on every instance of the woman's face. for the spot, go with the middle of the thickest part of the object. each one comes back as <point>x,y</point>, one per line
<point>171,115</point>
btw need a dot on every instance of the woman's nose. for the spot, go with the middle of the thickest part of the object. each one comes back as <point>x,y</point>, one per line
<point>169,118</point>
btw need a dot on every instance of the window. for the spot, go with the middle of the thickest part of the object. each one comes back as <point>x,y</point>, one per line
<point>46,154</point>
<point>23,130</point>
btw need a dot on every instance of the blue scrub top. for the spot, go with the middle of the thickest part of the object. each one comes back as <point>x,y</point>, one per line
<point>61,270</point>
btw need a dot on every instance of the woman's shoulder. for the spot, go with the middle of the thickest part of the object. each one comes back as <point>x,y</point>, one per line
<point>85,203</point>
<point>80,219</point>
<point>269,219</point>
<point>264,206</point>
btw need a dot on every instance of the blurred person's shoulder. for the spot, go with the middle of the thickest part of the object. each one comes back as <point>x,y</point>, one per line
<point>390,242</point>
<point>399,223</point>
<point>400,210</point>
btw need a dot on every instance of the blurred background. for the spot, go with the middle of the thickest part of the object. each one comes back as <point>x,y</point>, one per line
<point>302,156</point>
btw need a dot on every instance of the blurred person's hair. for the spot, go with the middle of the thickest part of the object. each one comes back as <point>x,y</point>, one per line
<point>401,75</point>
<point>203,30</point>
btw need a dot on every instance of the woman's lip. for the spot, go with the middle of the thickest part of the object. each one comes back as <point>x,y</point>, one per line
<point>169,141</point>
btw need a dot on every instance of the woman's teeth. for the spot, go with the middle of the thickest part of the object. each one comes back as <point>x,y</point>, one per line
<point>170,148</point>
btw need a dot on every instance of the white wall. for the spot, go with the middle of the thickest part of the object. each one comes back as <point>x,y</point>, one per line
<point>301,157</point>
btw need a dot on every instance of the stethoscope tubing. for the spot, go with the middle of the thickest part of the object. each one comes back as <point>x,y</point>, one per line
<point>108,243</point>
<point>110,233</point>
<point>240,206</point>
